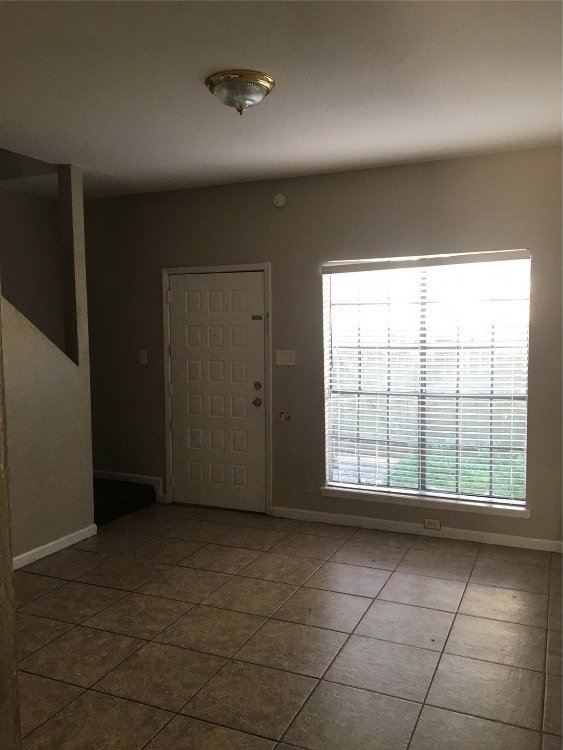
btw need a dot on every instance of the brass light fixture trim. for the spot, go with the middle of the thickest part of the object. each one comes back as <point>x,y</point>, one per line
<point>240,88</point>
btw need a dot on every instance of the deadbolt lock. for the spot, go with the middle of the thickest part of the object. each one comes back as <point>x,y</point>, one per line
<point>257,385</point>
<point>257,402</point>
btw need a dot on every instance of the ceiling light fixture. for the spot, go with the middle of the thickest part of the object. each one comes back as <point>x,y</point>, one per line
<point>240,89</point>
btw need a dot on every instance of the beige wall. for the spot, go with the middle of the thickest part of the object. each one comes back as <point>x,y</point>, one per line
<point>48,416</point>
<point>30,259</point>
<point>501,201</point>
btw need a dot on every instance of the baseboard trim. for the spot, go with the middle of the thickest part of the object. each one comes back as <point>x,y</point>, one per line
<point>55,546</point>
<point>119,476</point>
<point>448,532</point>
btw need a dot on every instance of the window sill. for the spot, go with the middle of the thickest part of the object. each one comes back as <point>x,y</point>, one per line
<point>420,501</point>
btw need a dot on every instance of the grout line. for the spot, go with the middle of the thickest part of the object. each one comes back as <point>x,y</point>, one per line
<point>60,710</point>
<point>180,713</point>
<point>157,731</point>
<point>191,605</point>
<point>267,619</point>
<point>441,655</point>
<point>329,665</point>
<point>201,602</point>
<point>544,686</point>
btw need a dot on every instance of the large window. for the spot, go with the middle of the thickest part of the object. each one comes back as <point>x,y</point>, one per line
<point>426,369</point>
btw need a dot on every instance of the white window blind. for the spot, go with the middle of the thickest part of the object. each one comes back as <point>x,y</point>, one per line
<point>426,377</point>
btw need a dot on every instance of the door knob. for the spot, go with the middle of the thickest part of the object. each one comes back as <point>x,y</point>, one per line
<point>257,402</point>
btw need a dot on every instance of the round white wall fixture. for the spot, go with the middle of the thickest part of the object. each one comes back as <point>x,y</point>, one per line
<point>279,200</point>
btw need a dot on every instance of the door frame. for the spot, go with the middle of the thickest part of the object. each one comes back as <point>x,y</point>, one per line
<point>266,269</point>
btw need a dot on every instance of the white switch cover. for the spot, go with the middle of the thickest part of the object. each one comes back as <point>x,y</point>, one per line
<point>285,356</point>
<point>143,357</point>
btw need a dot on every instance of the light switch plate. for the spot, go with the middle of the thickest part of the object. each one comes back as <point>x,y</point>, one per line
<point>143,357</point>
<point>285,356</point>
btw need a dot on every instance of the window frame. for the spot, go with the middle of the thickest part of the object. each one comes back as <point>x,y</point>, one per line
<point>417,496</point>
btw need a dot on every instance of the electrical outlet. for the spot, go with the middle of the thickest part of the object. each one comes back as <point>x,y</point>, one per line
<point>432,523</point>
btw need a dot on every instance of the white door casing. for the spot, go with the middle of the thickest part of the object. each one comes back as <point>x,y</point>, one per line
<point>217,355</point>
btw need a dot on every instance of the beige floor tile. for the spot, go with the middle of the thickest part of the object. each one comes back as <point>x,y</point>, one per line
<point>555,612</point>
<point>522,607</point>
<point>269,523</point>
<point>251,595</point>
<point>272,566</point>
<point>166,550</point>
<point>197,531</point>
<point>390,668</point>
<point>552,742</point>
<point>81,656</point>
<point>308,545</point>
<point>436,563</point>
<point>511,575</point>
<point>293,647</point>
<point>40,698</point>
<point>113,542</point>
<point>553,660</point>
<point>251,698</point>
<point>422,591</point>
<point>138,615</point>
<point>127,573</point>
<point>451,546</point>
<point>35,632</point>
<point>228,517</point>
<point>369,555</point>
<point>438,729</point>
<point>214,631</point>
<point>28,586</point>
<point>178,510</point>
<point>337,717</point>
<point>221,559</point>
<point>349,579</point>
<point>384,538</point>
<point>184,733</point>
<point>73,602</point>
<point>185,584</point>
<point>515,555</point>
<point>68,563</point>
<point>491,691</point>
<point>332,531</point>
<point>324,609</point>
<point>257,539</point>
<point>95,721</point>
<point>133,524</point>
<point>402,623</point>
<point>552,708</point>
<point>501,642</point>
<point>161,510</point>
<point>160,675</point>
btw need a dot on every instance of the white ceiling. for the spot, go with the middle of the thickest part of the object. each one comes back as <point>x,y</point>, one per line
<point>117,87</point>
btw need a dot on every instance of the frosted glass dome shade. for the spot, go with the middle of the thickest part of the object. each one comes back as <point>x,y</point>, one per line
<point>239,94</point>
<point>240,89</point>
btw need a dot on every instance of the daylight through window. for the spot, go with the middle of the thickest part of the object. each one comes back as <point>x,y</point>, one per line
<point>426,377</point>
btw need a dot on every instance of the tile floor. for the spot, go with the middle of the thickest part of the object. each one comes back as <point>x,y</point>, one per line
<point>179,628</point>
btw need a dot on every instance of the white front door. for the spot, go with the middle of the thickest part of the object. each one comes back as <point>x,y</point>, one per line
<point>217,389</point>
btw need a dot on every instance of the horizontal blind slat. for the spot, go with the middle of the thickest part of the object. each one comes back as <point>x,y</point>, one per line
<point>426,378</point>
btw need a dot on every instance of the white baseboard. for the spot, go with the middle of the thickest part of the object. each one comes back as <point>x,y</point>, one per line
<point>47,549</point>
<point>448,532</point>
<point>118,476</point>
